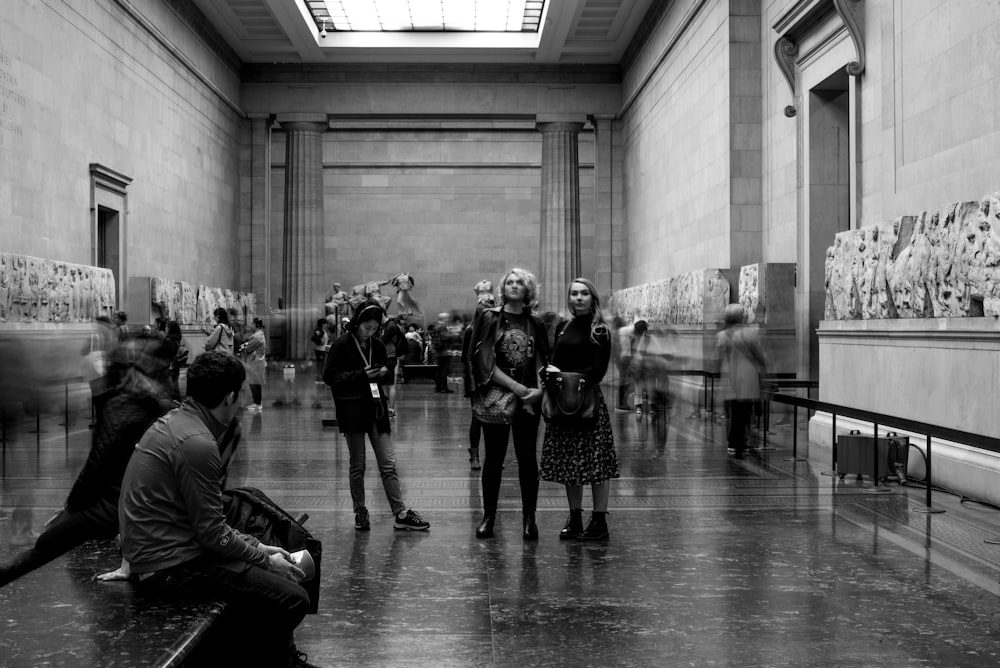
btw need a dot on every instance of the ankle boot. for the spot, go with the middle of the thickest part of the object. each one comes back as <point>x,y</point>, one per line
<point>474,459</point>
<point>485,529</point>
<point>574,525</point>
<point>597,527</point>
<point>530,528</point>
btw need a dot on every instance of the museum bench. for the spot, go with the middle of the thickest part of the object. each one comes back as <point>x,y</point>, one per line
<point>61,615</point>
<point>411,371</point>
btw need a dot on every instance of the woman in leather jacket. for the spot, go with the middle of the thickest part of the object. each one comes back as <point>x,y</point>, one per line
<point>508,347</point>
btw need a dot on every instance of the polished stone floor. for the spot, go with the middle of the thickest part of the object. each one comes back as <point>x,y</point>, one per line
<point>711,562</point>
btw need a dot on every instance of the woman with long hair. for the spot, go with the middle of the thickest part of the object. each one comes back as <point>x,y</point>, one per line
<point>221,336</point>
<point>254,353</point>
<point>507,347</point>
<point>356,369</point>
<point>578,455</point>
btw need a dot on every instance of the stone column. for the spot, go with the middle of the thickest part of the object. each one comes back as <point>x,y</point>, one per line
<point>559,248</point>
<point>302,268</point>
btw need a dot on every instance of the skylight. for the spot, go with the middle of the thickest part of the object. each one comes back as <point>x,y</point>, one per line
<point>496,16</point>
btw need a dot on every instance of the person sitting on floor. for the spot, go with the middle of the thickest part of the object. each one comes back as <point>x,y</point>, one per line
<point>174,533</point>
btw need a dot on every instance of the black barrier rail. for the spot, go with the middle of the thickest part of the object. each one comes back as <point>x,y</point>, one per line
<point>880,419</point>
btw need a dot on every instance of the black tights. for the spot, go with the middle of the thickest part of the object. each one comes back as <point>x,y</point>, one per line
<point>495,437</point>
<point>255,393</point>
<point>475,431</point>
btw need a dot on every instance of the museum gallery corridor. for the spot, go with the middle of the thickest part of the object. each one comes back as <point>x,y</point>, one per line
<point>711,562</point>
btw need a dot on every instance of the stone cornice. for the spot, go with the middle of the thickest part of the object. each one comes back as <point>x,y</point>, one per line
<point>429,73</point>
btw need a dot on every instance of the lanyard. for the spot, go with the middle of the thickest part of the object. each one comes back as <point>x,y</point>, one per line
<point>366,360</point>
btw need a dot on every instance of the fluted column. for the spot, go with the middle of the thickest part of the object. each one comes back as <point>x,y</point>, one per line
<point>302,268</point>
<point>559,250</point>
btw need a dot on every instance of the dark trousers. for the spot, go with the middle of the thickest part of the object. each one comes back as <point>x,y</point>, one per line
<point>255,392</point>
<point>475,432</point>
<point>740,413</point>
<point>66,532</point>
<point>263,606</point>
<point>495,437</point>
<point>442,371</point>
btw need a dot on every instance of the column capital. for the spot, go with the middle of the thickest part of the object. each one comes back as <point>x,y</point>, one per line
<point>303,122</point>
<point>560,122</point>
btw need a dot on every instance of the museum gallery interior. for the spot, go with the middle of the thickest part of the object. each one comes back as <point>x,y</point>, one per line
<point>833,166</point>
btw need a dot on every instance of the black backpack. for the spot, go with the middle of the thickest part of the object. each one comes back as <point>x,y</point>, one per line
<point>250,511</point>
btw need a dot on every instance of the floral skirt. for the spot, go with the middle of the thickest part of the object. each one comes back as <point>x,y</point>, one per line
<point>580,456</point>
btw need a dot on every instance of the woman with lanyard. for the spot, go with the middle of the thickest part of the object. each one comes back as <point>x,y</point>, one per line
<point>356,368</point>
<point>507,347</point>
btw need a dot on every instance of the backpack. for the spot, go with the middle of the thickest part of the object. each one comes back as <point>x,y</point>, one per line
<point>250,511</point>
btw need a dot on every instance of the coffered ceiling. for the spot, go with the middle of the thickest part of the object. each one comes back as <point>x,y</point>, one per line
<point>573,32</point>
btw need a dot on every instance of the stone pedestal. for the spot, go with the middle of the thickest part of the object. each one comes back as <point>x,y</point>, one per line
<point>559,253</point>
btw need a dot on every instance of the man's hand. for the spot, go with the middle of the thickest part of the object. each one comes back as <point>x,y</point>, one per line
<point>280,564</point>
<point>274,549</point>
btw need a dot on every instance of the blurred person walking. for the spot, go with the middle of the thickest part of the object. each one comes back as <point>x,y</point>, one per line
<point>221,336</point>
<point>579,454</point>
<point>742,365</point>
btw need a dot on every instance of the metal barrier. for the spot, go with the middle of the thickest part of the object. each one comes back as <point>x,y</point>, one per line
<point>879,419</point>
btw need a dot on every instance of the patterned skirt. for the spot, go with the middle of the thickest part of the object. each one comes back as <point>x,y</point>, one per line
<point>580,456</point>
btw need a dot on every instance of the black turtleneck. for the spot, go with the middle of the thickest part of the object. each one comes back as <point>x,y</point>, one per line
<point>576,351</point>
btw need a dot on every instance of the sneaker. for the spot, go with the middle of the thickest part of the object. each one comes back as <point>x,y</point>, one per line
<point>392,413</point>
<point>361,521</point>
<point>300,660</point>
<point>411,522</point>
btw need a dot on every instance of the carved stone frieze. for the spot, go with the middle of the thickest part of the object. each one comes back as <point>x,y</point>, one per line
<point>696,298</point>
<point>39,290</point>
<point>938,264</point>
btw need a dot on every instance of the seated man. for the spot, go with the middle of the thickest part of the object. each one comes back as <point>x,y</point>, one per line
<point>174,533</point>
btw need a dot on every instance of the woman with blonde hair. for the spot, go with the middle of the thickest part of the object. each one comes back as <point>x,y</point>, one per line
<point>582,454</point>
<point>507,348</point>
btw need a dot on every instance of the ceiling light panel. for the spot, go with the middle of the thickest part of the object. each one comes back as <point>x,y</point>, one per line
<point>427,15</point>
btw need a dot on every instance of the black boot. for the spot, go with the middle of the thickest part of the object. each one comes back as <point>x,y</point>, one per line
<point>597,527</point>
<point>574,525</point>
<point>530,528</point>
<point>474,459</point>
<point>485,529</point>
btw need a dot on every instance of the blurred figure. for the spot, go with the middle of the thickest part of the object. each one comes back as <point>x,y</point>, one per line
<point>121,324</point>
<point>395,346</point>
<point>742,365</point>
<point>91,509</point>
<point>634,344</point>
<point>621,359</point>
<point>484,300</point>
<point>180,357</point>
<point>254,353</point>
<point>96,368</point>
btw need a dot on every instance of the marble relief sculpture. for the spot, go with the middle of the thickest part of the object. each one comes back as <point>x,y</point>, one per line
<point>40,290</point>
<point>938,264</point>
<point>696,298</point>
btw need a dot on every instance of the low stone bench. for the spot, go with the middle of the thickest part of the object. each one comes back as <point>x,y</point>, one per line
<point>60,615</point>
<point>426,371</point>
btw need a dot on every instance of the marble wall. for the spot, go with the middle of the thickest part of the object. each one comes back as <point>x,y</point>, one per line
<point>36,290</point>
<point>940,263</point>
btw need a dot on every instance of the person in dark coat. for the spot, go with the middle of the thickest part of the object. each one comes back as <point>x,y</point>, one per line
<point>356,370</point>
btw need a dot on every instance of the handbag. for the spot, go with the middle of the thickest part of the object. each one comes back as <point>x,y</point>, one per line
<point>93,365</point>
<point>495,405</point>
<point>569,399</point>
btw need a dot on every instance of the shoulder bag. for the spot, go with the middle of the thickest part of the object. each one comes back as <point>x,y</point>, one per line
<point>568,399</point>
<point>494,405</point>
